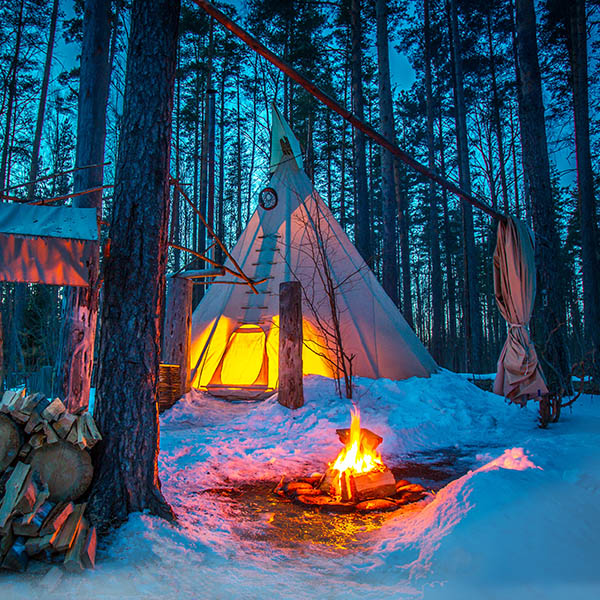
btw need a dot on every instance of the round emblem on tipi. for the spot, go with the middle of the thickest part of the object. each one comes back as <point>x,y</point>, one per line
<point>267,198</point>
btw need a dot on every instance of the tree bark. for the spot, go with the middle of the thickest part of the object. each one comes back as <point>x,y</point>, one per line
<point>390,238</point>
<point>177,330</point>
<point>577,45</point>
<point>362,217</point>
<point>126,470</point>
<point>12,94</point>
<point>291,393</point>
<point>496,113</point>
<point>472,315</point>
<point>80,311</point>
<point>437,327</point>
<point>35,155</point>
<point>401,192</point>
<point>549,314</point>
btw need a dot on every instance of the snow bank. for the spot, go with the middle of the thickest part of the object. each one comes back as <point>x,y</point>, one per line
<point>521,521</point>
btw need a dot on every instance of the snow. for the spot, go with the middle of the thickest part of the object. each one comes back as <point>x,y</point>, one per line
<point>515,514</point>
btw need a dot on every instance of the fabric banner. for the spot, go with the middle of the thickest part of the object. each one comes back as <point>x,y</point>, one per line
<point>47,244</point>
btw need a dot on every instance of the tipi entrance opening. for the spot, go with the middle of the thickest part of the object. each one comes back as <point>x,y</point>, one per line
<point>241,361</point>
<point>245,360</point>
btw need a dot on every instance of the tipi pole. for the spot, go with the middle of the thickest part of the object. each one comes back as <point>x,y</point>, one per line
<point>312,89</point>
<point>211,232</point>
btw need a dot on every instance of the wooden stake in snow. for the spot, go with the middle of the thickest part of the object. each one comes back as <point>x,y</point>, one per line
<point>177,334</point>
<point>291,392</point>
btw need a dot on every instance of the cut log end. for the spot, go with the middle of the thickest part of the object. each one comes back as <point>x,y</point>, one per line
<point>11,440</point>
<point>66,469</point>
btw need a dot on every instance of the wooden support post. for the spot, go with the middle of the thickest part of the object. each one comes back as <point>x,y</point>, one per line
<point>177,337</point>
<point>291,392</point>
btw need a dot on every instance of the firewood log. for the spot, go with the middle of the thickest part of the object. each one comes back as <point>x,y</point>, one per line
<point>66,470</point>
<point>36,545</point>
<point>88,552</point>
<point>56,518</point>
<point>29,525</point>
<point>82,440</point>
<point>375,484</point>
<point>51,435</point>
<point>73,560</point>
<point>72,436</point>
<point>297,486</point>
<point>24,451</point>
<point>30,403</point>
<point>36,440</point>
<point>16,558</point>
<point>10,398</point>
<point>376,504</point>
<point>34,421</point>
<point>13,489</point>
<point>28,495</point>
<point>19,417</point>
<point>54,411</point>
<point>11,440</point>
<point>405,486</point>
<point>64,424</point>
<point>40,500</point>
<point>7,539</point>
<point>93,433</point>
<point>68,531</point>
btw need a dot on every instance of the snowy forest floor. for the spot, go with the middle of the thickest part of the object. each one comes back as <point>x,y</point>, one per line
<point>516,513</point>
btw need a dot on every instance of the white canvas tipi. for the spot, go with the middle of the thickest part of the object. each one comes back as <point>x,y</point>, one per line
<point>235,333</point>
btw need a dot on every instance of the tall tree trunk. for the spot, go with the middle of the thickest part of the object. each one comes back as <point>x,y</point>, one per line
<point>549,315</point>
<point>577,44</point>
<point>438,327</point>
<point>401,192</point>
<point>80,310</point>
<point>35,154</point>
<point>496,113</point>
<point>451,352</point>
<point>362,217</point>
<point>390,238</point>
<point>238,212</point>
<point>12,95</point>
<point>176,209</point>
<point>126,470</point>
<point>472,314</point>
<point>343,220</point>
<point>221,192</point>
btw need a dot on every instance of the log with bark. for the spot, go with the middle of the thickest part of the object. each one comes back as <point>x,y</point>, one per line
<point>44,467</point>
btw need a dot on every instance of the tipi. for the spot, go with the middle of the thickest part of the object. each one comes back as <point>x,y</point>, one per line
<point>235,333</point>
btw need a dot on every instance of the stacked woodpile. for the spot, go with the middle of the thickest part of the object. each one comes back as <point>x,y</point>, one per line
<point>45,467</point>
<point>169,386</point>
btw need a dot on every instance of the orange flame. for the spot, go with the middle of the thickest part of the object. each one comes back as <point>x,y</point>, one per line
<point>357,456</point>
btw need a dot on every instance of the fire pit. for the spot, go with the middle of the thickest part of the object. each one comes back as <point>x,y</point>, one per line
<point>357,480</point>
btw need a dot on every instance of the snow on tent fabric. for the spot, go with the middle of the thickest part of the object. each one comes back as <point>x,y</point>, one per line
<point>282,244</point>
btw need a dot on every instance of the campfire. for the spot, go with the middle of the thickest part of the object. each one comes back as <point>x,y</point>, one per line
<point>357,479</point>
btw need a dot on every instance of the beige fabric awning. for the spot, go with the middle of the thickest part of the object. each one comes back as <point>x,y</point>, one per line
<point>47,244</point>
<point>519,376</point>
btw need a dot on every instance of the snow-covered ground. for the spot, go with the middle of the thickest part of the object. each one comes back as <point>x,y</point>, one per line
<point>516,513</point>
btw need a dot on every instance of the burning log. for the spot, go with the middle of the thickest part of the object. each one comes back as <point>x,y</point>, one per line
<point>375,484</point>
